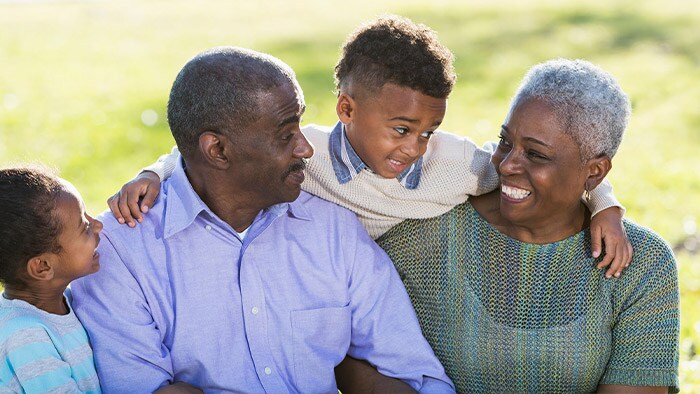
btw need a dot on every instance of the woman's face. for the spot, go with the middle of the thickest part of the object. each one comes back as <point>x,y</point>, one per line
<point>542,177</point>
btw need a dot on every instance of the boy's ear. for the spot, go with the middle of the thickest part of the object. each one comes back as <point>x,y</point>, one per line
<point>598,169</point>
<point>41,267</point>
<point>213,148</point>
<point>345,108</point>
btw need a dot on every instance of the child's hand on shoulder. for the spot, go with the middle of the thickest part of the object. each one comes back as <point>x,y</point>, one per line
<point>125,204</point>
<point>607,228</point>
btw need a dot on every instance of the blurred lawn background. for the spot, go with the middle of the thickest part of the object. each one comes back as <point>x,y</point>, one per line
<point>84,86</point>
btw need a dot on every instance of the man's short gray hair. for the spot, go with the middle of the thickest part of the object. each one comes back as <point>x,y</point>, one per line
<point>586,99</point>
<point>219,89</point>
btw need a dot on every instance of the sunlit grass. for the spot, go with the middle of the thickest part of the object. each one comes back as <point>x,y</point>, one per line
<point>77,77</point>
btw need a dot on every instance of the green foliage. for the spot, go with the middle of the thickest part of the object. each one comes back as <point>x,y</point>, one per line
<point>78,76</point>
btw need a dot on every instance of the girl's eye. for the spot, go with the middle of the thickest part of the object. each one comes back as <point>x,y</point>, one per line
<point>401,130</point>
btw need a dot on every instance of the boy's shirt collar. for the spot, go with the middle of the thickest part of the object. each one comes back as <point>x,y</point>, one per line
<point>347,164</point>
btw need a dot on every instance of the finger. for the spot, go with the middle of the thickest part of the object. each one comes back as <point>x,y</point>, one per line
<point>618,261</point>
<point>596,241</point>
<point>132,202</point>
<point>630,254</point>
<point>113,205</point>
<point>124,209</point>
<point>149,198</point>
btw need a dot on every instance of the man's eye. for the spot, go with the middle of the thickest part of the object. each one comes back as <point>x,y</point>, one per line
<point>401,130</point>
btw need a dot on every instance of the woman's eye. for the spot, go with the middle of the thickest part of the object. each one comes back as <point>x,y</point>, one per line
<point>502,141</point>
<point>537,155</point>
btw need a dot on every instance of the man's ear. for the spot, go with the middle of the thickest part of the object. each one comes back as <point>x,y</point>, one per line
<point>345,108</point>
<point>41,267</point>
<point>213,147</point>
<point>598,169</point>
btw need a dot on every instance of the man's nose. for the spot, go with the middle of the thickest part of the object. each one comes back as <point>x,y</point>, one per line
<point>303,148</point>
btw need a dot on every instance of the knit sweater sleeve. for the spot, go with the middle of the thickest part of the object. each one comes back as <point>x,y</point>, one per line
<point>645,333</point>
<point>601,198</point>
<point>165,165</point>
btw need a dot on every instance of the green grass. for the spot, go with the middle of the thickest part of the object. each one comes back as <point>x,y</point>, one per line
<point>77,76</point>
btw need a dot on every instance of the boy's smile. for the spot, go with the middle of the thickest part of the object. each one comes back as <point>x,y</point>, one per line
<point>389,129</point>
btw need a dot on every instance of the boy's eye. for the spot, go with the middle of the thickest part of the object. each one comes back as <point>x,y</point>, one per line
<point>401,130</point>
<point>427,134</point>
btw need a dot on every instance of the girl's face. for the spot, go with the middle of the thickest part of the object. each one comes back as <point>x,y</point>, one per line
<point>80,234</point>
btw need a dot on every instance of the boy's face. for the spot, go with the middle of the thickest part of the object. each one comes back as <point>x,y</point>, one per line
<point>80,234</point>
<point>390,130</point>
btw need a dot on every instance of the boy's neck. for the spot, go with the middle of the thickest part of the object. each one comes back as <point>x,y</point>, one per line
<point>48,300</point>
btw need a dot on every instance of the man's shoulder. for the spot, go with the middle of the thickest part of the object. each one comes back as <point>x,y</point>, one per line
<point>313,202</point>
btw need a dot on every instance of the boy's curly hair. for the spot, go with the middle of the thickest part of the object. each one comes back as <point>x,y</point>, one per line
<point>394,49</point>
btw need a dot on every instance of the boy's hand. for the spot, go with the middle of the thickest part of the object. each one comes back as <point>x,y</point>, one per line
<point>125,203</point>
<point>607,226</point>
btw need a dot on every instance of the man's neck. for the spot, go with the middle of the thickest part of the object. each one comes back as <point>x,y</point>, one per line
<point>234,207</point>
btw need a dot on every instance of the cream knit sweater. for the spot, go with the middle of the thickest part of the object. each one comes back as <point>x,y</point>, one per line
<point>453,169</point>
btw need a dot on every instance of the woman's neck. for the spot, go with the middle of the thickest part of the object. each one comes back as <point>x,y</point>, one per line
<point>551,229</point>
<point>48,300</point>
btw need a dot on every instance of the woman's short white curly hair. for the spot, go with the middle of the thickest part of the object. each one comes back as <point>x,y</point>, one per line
<point>588,100</point>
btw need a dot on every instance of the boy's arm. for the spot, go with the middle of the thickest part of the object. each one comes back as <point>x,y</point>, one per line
<point>26,359</point>
<point>125,205</point>
<point>606,227</point>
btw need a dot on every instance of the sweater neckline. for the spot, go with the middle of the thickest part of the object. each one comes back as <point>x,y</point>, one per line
<point>480,221</point>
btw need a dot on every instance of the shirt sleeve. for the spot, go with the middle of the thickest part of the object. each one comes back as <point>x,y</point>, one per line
<point>602,198</point>
<point>482,177</point>
<point>385,329</point>
<point>165,165</point>
<point>646,331</point>
<point>127,343</point>
<point>37,365</point>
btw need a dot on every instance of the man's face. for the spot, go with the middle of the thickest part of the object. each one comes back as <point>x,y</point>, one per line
<point>390,129</point>
<point>270,153</point>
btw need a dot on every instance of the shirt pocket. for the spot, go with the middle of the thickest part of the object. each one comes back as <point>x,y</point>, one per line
<point>321,341</point>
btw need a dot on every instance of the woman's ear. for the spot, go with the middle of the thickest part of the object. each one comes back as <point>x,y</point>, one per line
<point>41,267</point>
<point>213,148</point>
<point>345,108</point>
<point>598,169</point>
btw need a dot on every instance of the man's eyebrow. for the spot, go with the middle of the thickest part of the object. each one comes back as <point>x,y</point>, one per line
<point>296,118</point>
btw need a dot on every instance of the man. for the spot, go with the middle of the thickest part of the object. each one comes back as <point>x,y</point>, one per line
<point>236,281</point>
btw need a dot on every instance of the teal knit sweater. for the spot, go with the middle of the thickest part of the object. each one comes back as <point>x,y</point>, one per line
<point>507,316</point>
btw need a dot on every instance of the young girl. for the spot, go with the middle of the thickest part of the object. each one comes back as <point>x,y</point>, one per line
<point>46,240</point>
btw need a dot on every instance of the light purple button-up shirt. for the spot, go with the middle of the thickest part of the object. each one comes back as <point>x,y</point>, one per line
<point>182,298</point>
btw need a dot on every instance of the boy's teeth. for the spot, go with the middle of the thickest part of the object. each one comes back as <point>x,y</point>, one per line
<point>514,192</point>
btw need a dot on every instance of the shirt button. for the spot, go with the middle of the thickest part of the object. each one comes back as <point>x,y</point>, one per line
<point>208,227</point>
<point>268,370</point>
<point>255,310</point>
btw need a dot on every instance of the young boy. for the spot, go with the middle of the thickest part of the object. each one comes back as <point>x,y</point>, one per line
<point>47,240</point>
<point>385,159</point>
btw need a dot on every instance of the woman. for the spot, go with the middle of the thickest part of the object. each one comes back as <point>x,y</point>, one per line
<point>497,282</point>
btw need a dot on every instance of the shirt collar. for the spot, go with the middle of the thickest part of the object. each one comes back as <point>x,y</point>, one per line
<point>184,205</point>
<point>347,164</point>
